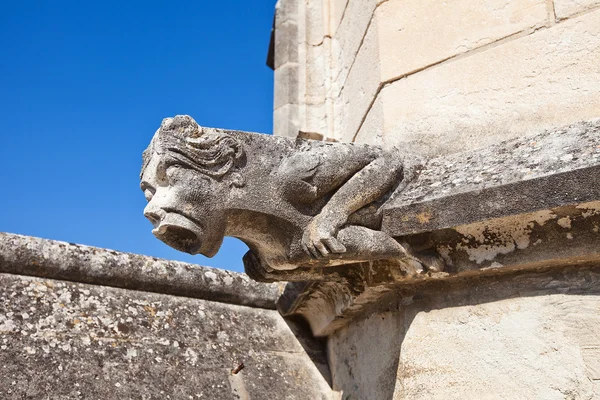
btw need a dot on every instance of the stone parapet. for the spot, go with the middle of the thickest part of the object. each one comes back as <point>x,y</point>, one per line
<point>69,340</point>
<point>83,322</point>
<point>555,168</point>
<point>25,255</point>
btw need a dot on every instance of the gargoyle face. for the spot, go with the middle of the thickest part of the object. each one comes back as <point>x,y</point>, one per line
<point>184,207</point>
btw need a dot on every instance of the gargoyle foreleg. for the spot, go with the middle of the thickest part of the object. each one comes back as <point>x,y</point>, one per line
<point>364,187</point>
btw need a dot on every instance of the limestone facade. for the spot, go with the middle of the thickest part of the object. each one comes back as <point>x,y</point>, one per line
<point>445,80</point>
<point>530,337</point>
<point>431,77</point>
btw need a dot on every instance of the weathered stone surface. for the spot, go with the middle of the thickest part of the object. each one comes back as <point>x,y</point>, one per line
<point>286,121</point>
<point>365,356</point>
<point>538,339</point>
<point>566,8</point>
<point>527,337</point>
<point>557,167</point>
<point>348,40</point>
<point>360,88</point>
<point>315,120</point>
<point>543,80</point>
<point>317,24</point>
<point>317,79</point>
<point>64,340</point>
<point>287,10</point>
<point>286,85</point>
<point>286,48</point>
<point>407,43</point>
<point>321,208</point>
<point>290,65</point>
<point>26,255</point>
<point>400,41</point>
<point>338,7</point>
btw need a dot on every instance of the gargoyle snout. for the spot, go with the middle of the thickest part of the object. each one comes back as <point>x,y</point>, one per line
<point>154,214</point>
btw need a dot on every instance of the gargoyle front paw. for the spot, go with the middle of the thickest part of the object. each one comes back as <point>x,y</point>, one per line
<point>319,240</point>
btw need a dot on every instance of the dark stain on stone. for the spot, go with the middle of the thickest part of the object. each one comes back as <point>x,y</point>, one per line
<point>124,328</point>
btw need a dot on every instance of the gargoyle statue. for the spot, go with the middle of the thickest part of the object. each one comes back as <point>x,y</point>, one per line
<point>295,203</point>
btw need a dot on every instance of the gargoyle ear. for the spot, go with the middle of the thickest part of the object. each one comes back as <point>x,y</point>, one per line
<point>237,180</point>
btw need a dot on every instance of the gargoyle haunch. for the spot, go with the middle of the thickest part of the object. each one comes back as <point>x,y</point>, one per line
<point>295,203</point>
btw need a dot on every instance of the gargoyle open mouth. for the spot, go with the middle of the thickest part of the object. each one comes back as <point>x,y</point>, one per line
<point>179,232</point>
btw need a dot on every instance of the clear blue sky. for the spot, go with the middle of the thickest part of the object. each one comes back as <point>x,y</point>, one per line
<point>83,87</point>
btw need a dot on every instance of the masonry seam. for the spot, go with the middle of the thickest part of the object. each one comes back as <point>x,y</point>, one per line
<point>579,13</point>
<point>551,12</point>
<point>343,14</point>
<point>456,57</point>
<point>362,40</point>
<point>496,43</point>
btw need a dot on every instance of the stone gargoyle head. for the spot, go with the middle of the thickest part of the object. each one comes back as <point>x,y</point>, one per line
<point>295,203</point>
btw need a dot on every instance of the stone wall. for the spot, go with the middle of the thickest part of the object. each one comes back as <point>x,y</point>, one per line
<point>63,339</point>
<point>533,336</point>
<point>438,79</point>
<point>434,77</point>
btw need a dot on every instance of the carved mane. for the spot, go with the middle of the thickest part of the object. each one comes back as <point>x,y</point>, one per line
<point>183,142</point>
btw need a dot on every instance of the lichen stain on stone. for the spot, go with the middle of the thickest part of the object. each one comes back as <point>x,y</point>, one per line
<point>423,217</point>
<point>590,209</point>
<point>486,240</point>
<point>564,222</point>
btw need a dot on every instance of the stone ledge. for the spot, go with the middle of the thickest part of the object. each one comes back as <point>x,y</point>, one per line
<point>555,168</point>
<point>44,258</point>
<point>525,206</point>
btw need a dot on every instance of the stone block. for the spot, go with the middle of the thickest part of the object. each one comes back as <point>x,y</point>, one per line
<point>315,119</point>
<point>373,124</point>
<point>337,8</point>
<point>549,78</point>
<point>348,38</point>
<point>527,347</point>
<point>287,10</point>
<point>360,88</point>
<point>317,76</point>
<point>286,43</point>
<point>530,337</point>
<point>286,85</point>
<point>414,34</point>
<point>316,21</point>
<point>565,8</point>
<point>286,121</point>
<point>364,356</point>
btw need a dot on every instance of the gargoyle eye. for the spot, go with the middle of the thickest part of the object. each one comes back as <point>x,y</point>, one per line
<point>173,173</point>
